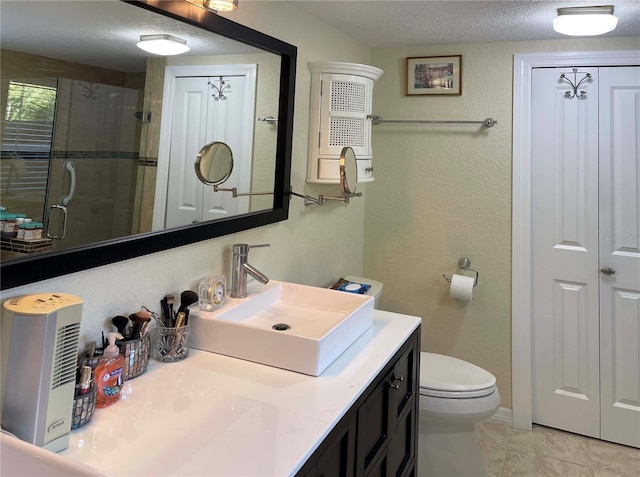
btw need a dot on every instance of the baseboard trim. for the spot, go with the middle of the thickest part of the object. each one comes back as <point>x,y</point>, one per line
<point>503,415</point>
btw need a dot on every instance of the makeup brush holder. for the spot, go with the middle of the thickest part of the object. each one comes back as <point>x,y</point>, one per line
<point>171,344</point>
<point>84,406</point>
<point>136,355</point>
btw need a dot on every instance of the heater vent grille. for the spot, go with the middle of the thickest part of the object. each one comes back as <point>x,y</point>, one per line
<point>64,362</point>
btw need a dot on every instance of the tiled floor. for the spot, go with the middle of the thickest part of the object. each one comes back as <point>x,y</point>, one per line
<point>546,452</point>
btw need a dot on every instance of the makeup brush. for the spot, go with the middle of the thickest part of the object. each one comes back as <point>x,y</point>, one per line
<point>166,312</point>
<point>170,299</point>
<point>139,319</point>
<point>187,298</point>
<point>181,319</point>
<point>120,322</point>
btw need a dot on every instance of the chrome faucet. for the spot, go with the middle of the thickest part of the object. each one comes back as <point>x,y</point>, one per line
<point>241,268</point>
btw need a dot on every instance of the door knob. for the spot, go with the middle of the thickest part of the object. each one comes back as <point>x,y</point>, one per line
<point>608,271</point>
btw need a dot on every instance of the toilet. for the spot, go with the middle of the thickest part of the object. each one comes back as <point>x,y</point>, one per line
<point>454,396</point>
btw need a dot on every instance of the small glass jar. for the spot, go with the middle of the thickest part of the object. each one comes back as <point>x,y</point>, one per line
<point>29,231</point>
<point>21,229</point>
<point>37,232</point>
<point>10,229</point>
<point>171,344</point>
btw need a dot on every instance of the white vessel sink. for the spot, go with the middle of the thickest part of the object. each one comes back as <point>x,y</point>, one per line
<point>320,325</point>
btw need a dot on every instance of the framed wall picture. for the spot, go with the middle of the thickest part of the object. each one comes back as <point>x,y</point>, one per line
<point>434,75</point>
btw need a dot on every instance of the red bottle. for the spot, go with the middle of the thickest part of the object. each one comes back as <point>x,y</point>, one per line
<point>108,373</point>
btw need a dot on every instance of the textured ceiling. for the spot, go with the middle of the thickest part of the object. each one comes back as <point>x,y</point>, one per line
<point>389,23</point>
<point>97,32</point>
<point>104,32</point>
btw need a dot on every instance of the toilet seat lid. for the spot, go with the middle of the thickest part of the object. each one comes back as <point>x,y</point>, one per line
<point>449,374</point>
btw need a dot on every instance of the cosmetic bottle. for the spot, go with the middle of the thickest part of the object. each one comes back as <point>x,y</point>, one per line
<point>108,373</point>
<point>37,233</point>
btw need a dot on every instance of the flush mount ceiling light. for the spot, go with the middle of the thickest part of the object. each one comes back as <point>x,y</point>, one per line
<point>217,5</point>
<point>164,45</point>
<point>585,21</point>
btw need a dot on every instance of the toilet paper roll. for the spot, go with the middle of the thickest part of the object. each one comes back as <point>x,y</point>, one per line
<point>461,287</point>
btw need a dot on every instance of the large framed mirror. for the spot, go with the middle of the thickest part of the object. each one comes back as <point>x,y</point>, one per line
<point>105,158</point>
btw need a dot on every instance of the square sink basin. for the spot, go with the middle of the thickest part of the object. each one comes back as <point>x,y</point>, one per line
<point>295,327</point>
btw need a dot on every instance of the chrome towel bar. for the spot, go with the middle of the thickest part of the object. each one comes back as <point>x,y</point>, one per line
<point>489,122</point>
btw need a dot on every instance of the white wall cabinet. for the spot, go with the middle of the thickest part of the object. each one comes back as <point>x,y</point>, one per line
<point>341,101</point>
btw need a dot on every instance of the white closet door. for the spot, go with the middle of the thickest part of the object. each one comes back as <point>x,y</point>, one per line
<point>620,251</point>
<point>565,252</point>
<point>188,135</point>
<point>198,119</point>
<point>225,122</point>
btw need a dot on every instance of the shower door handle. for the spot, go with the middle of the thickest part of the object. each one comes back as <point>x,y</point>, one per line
<point>64,222</point>
<point>65,199</point>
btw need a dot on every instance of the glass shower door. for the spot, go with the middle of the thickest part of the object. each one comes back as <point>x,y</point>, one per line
<point>94,164</point>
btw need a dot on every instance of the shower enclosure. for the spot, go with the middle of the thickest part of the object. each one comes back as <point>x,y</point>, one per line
<point>64,143</point>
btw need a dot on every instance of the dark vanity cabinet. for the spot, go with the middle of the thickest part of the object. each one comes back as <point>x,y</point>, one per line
<point>378,435</point>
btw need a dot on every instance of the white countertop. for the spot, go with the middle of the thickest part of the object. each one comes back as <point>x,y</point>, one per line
<point>219,416</point>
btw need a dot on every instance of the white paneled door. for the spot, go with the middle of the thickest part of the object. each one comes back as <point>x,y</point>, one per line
<point>201,117</point>
<point>620,254</point>
<point>586,218</point>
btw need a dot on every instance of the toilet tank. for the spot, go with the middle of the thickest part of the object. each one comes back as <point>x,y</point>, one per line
<point>375,287</point>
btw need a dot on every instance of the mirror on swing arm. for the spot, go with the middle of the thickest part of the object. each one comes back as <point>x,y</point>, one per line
<point>214,164</point>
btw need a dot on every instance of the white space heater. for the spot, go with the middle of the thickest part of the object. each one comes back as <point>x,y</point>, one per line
<point>40,335</point>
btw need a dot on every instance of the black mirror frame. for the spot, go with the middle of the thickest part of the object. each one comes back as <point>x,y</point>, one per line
<point>23,271</point>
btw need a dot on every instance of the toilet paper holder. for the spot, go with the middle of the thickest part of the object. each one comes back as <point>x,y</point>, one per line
<point>465,264</point>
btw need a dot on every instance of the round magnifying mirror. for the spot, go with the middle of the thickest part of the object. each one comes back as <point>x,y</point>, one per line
<point>214,163</point>
<point>348,171</point>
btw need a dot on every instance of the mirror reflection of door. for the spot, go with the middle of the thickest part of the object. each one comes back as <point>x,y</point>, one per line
<point>97,130</point>
<point>206,109</point>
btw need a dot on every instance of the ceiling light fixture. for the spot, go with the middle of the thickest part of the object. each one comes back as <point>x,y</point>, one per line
<point>217,5</point>
<point>585,21</point>
<point>221,5</point>
<point>164,45</point>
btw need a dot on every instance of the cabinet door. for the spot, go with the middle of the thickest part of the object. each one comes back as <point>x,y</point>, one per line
<point>379,468</point>
<point>402,384</point>
<point>401,449</point>
<point>345,104</point>
<point>374,426</point>
<point>338,459</point>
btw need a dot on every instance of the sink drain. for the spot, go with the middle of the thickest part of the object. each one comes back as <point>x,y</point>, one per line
<point>281,327</point>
